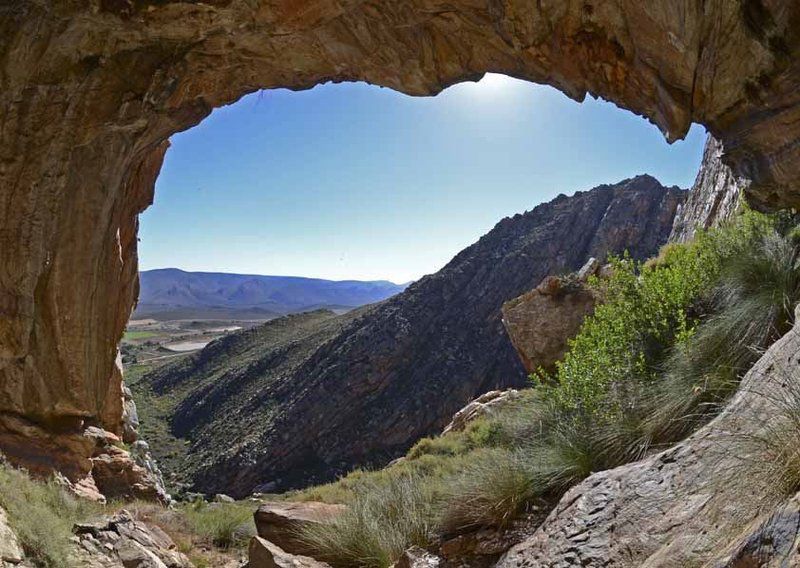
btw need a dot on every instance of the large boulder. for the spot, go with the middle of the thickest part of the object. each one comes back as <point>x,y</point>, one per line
<point>542,321</point>
<point>280,522</point>
<point>771,542</point>
<point>117,474</point>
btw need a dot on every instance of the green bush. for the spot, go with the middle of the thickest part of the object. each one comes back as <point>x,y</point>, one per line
<point>42,515</point>
<point>752,305</point>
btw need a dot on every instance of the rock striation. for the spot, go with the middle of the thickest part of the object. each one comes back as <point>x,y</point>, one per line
<point>683,506</point>
<point>91,91</point>
<point>284,406</point>
<point>714,197</point>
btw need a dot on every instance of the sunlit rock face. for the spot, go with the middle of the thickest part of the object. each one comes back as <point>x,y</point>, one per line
<point>714,197</point>
<point>91,90</point>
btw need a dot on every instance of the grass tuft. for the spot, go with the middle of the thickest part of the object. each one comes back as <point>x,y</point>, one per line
<point>42,514</point>
<point>383,521</point>
<point>225,525</point>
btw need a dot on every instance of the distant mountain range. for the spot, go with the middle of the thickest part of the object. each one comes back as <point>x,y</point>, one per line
<point>176,293</point>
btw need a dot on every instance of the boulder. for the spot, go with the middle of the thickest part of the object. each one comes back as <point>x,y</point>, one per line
<point>484,405</point>
<point>542,321</point>
<point>117,474</point>
<point>416,557</point>
<point>265,554</point>
<point>771,542</point>
<point>10,549</point>
<point>279,522</point>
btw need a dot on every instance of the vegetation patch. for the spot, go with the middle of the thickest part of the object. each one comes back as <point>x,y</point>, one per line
<point>42,514</point>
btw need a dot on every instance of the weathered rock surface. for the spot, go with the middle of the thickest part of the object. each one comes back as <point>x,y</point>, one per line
<point>116,474</point>
<point>91,91</point>
<point>714,197</point>
<point>10,549</point>
<point>683,506</point>
<point>265,554</point>
<point>280,522</point>
<point>484,405</point>
<point>122,542</point>
<point>542,321</point>
<point>416,557</point>
<point>399,370</point>
<point>768,543</point>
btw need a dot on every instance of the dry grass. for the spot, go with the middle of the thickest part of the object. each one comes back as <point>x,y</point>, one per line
<point>42,514</point>
<point>378,526</point>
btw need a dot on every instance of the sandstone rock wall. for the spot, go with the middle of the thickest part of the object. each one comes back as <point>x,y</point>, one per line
<point>90,91</point>
<point>714,197</point>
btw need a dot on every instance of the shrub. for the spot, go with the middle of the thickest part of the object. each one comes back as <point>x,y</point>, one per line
<point>491,491</point>
<point>381,522</point>
<point>647,309</point>
<point>225,525</point>
<point>42,515</point>
<point>752,306</point>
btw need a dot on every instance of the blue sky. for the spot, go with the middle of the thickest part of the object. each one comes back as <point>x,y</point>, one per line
<point>354,181</point>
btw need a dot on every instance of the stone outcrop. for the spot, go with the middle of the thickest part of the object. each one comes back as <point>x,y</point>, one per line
<point>714,197</point>
<point>416,557</point>
<point>542,321</point>
<point>484,405</point>
<point>91,91</point>
<point>280,522</point>
<point>313,405</point>
<point>121,541</point>
<point>771,542</point>
<point>683,506</point>
<point>10,549</point>
<point>117,475</point>
<point>265,554</point>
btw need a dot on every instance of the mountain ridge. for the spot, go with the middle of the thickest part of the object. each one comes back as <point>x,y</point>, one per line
<point>396,371</point>
<point>166,290</point>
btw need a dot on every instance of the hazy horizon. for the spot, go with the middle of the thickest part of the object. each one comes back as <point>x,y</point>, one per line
<point>354,182</point>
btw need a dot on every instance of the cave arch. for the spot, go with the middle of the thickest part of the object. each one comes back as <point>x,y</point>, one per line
<point>92,91</point>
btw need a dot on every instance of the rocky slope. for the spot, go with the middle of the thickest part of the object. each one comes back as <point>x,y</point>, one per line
<point>692,504</point>
<point>714,197</point>
<point>318,404</point>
